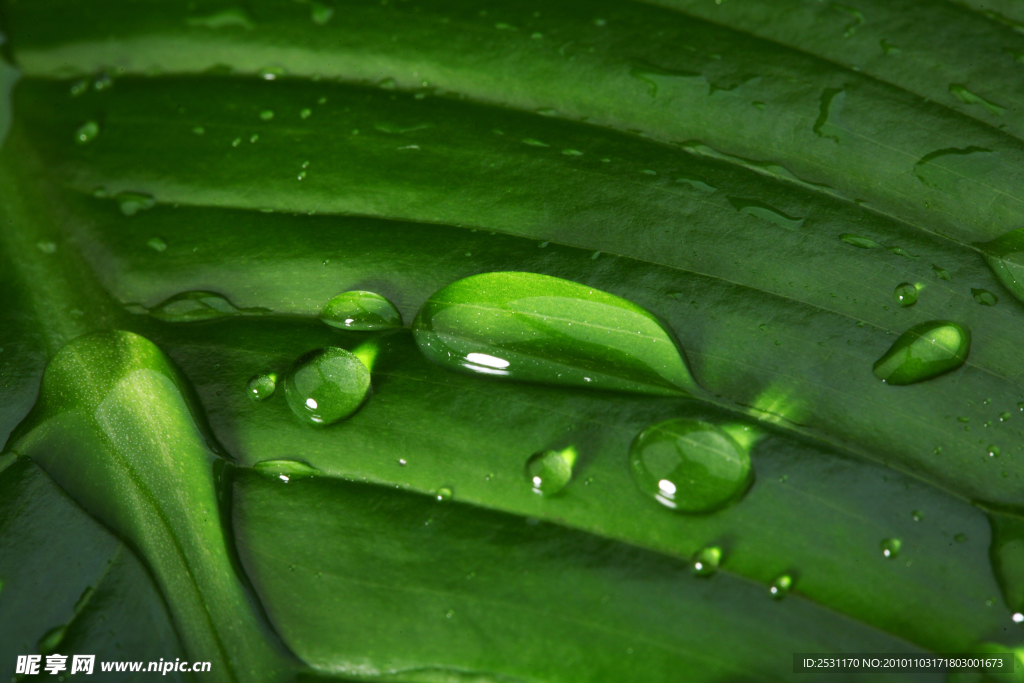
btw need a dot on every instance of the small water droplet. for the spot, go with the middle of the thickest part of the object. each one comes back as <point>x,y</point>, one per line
<point>961,93</point>
<point>51,640</point>
<point>695,182</point>
<point>960,538</point>
<point>133,202</point>
<point>888,48</point>
<point>781,586</point>
<point>327,385</point>
<point>102,82</point>
<point>301,176</point>
<point>79,87</point>
<point>46,247</point>
<point>285,469</point>
<point>942,273</point>
<point>765,212</point>
<point>402,462</point>
<point>861,242</point>
<point>549,471</point>
<point>984,297</point>
<point>891,547</point>
<point>157,244</point>
<point>993,451</point>
<point>305,113</point>
<point>924,351</point>
<point>87,132</point>
<point>535,143</point>
<point>905,294</point>
<point>917,515</point>
<point>1003,417</point>
<point>362,311</point>
<point>255,137</point>
<point>444,494</point>
<point>572,152</point>
<point>199,130</point>
<point>690,466</point>
<point>261,387</point>
<point>320,14</point>
<point>266,114</point>
<point>234,17</point>
<point>236,142</point>
<point>706,561</point>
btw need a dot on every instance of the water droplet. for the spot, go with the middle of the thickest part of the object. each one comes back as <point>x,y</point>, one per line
<point>51,640</point>
<point>946,168</point>
<point>827,125</point>
<point>967,97</point>
<point>853,13</point>
<point>781,586</point>
<point>157,244</point>
<point>858,241</point>
<point>301,176</point>
<point>905,294</point>
<point>689,466</point>
<point>358,310</point>
<point>761,210</point>
<point>261,387</point>
<point>891,547</point>
<point>133,202</point>
<point>305,113</point>
<point>192,306</point>
<point>87,132</point>
<point>654,75</point>
<point>572,152</point>
<point>984,297</point>
<point>992,451</point>
<point>942,273</point>
<point>888,48</point>
<point>535,143</point>
<point>444,494</point>
<point>917,515</point>
<point>537,328</point>
<point>236,142</point>
<point>79,87</point>
<point>46,247</point>
<point>199,130</point>
<point>102,82</point>
<point>695,182</point>
<point>960,538</point>
<point>234,17</point>
<point>706,561</point>
<point>285,470</point>
<point>255,137</point>
<point>924,351</point>
<point>266,114</point>
<point>327,385</point>
<point>320,14</point>
<point>549,471</point>
<point>271,73</point>
<point>1003,417</point>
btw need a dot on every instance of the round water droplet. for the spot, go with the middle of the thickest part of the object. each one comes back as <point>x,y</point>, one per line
<point>327,385</point>
<point>266,114</point>
<point>992,451</point>
<point>306,113</point>
<point>361,311</point>
<point>924,351</point>
<point>262,387</point>
<point>156,244</point>
<point>781,586</point>
<point>891,547</point>
<point>984,297</point>
<point>444,494</point>
<point>549,471</point>
<point>689,465</point>
<point>1003,417</point>
<point>705,562</point>
<point>905,294</point>
<point>87,132</point>
<point>916,515</point>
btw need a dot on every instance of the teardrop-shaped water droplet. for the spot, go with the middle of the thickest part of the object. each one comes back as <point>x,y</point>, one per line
<point>828,124</point>
<point>765,212</point>
<point>87,132</point>
<point>285,470</point>
<point>444,494</point>
<point>891,547</point>
<point>961,93</point>
<point>781,586</point>
<point>537,328</point>
<point>706,561</point>
<point>984,297</point>
<point>924,351</point>
<point>549,471</point>
<point>860,242</point>
<point>327,385</point>
<point>689,466</point>
<point>905,294</point>
<point>942,273</point>
<point>261,387</point>
<point>361,311</point>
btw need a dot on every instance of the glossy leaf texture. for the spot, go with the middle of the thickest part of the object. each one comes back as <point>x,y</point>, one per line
<point>703,210</point>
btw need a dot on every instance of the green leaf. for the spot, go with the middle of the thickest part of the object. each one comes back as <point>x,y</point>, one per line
<point>752,187</point>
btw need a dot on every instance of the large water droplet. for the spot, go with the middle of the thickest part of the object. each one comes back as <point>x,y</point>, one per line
<point>549,471</point>
<point>924,351</point>
<point>327,385</point>
<point>828,125</point>
<point>967,97</point>
<point>361,311</point>
<point>537,328</point>
<point>984,297</point>
<point>261,387</point>
<point>87,132</point>
<point>781,586</point>
<point>944,169</point>
<point>905,294</point>
<point>689,466</point>
<point>890,547</point>
<point>761,210</point>
<point>706,561</point>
